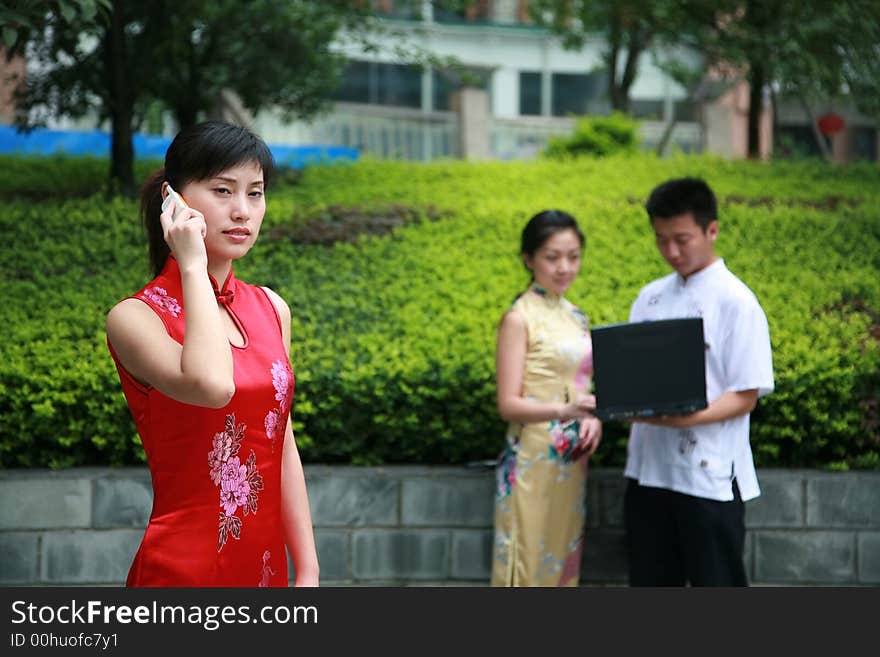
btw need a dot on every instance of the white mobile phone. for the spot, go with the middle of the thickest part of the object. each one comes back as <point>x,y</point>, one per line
<point>173,197</point>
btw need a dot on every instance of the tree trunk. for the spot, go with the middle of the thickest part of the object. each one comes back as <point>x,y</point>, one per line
<point>756,105</point>
<point>820,139</point>
<point>666,136</point>
<point>120,105</point>
<point>774,106</point>
<point>613,59</point>
<point>630,70</point>
<point>186,115</point>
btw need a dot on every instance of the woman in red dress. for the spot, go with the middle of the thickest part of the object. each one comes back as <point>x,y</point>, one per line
<point>203,359</point>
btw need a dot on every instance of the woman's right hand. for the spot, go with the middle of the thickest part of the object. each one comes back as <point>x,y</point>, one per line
<point>184,230</point>
<point>581,407</point>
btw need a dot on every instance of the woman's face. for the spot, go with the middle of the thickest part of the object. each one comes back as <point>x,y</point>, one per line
<point>557,262</point>
<point>233,203</point>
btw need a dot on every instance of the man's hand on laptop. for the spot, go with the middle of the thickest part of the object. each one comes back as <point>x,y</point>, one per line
<point>675,421</point>
<point>730,404</point>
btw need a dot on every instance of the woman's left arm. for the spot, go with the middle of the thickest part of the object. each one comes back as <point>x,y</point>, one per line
<point>296,517</point>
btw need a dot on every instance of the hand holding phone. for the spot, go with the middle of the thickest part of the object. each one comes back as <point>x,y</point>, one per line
<point>184,230</point>
<point>173,197</point>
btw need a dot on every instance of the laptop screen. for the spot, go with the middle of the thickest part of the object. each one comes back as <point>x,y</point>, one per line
<point>643,369</point>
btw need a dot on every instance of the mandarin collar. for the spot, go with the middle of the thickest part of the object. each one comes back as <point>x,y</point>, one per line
<point>698,278</point>
<point>224,294</point>
<point>552,300</point>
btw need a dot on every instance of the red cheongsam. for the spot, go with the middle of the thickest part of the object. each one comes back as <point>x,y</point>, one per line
<point>216,518</point>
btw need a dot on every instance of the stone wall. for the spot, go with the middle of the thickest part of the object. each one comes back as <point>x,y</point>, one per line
<point>414,525</point>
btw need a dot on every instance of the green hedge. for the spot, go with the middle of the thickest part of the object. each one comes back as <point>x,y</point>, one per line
<point>393,334</point>
<point>58,176</point>
<point>597,135</point>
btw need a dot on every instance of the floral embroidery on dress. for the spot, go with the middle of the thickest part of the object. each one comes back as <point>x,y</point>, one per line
<point>239,482</point>
<point>282,381</point>
<point>268,571</point>
<point>502,547</point>
<point>572,566</point>
<point>585,369</point>
<point>565,438</point>
<point>549,564</point>
<point>505,473</point>
<point>579,316</point>
<point>273,420</point>
<point>166,303</point>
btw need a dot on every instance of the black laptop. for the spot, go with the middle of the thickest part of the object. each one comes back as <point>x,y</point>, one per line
<point>644,369</point>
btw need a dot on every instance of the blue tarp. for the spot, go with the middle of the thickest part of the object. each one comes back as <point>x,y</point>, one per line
<point>96,142</point>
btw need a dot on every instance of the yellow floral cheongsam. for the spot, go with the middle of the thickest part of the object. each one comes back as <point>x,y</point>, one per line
<point>541,484</point>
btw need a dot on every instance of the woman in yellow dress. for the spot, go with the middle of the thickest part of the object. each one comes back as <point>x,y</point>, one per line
<point>543,371</point>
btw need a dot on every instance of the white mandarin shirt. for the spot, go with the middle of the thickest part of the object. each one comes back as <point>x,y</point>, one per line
<point>702,460</point>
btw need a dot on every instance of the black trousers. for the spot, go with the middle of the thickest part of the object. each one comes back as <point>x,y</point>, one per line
<point>674,539</point>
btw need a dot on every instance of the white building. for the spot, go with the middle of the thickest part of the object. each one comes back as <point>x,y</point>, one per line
<point>531,87</point>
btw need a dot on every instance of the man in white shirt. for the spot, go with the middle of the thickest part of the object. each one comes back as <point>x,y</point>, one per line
<point>689,475</point>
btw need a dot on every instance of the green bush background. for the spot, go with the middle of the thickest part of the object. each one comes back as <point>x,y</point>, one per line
<point>597,135</point>
<point>393,335</point>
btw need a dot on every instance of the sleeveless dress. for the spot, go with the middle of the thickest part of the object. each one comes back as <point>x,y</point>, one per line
<point>216,473</point>
<point>541,479</point>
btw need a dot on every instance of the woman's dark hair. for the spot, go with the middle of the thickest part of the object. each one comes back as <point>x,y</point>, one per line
<point>198,152</point>
<point>543,226</point>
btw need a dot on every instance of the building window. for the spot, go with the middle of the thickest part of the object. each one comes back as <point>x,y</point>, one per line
<point>378,83</point>
<point>646,109</point>
<point>579,94</point>
<point>529,93</point>
<point>355,85</point>
<point>686,110</point>
<point>400,10</point>
<point>458,12</point>
<point>797,141</point>
<point>864,143</point>
<point>448,82</point>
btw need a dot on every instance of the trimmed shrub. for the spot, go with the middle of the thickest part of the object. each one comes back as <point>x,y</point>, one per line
<point>599,136</point>
<point>393,332</point>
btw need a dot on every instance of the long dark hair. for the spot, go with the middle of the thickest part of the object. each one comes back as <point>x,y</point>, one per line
<point>543,226</point>
<point>198,152</point>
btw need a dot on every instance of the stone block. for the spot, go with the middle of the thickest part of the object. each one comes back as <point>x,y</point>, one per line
<point>844,500</point>
<point>749,555</point>
<point>448,501</point>
<point>393,554</point>
<point>472,554</point>
<point>88,557</point>
<point>334,553</point>
<point>45,503</point>
<point>593,503</point>
<point>611,491</point>
<point>353,500</point>
<point>20,557</point>
<point>122,502</point>
<point>781,503</point>
<point>807,557</point>
<point>869,557</point>
<point>604,558</point>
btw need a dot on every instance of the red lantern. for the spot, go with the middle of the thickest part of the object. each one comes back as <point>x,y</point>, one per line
<point>830,124</point>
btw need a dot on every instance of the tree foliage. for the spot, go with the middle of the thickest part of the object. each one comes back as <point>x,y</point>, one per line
<point>804,49</point>
<point>628,28</point>
<point>808,50</point>
<point>119,57</point>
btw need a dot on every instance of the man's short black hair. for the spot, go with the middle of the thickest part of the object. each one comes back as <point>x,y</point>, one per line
<point>681,196</point>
